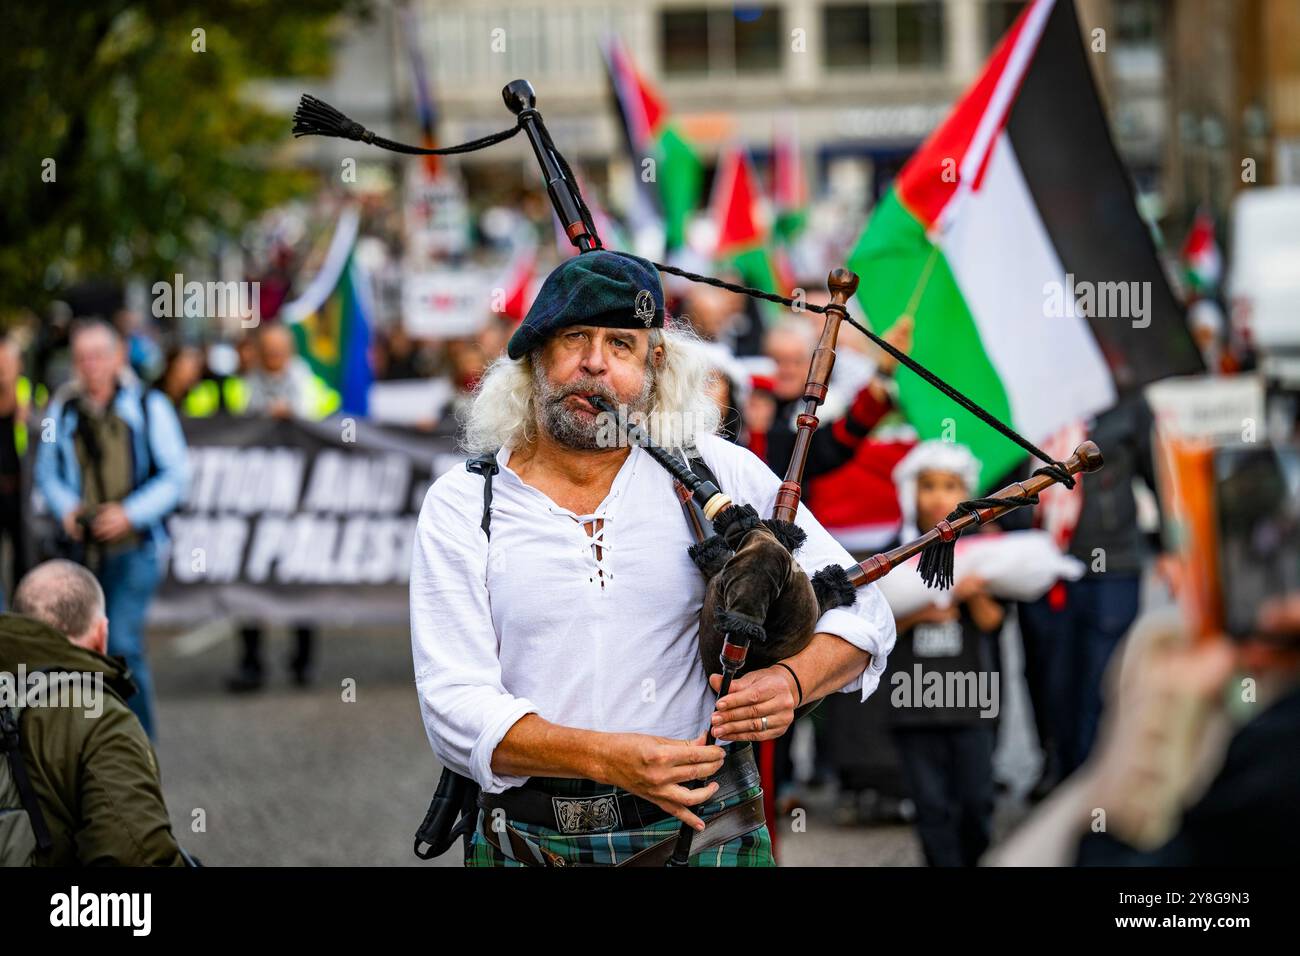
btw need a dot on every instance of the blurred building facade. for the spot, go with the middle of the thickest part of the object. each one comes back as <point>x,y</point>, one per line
<point>1192,87</point>
<point>1235,98</point>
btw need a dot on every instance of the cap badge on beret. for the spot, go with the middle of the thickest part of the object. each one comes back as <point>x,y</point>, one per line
<point>644,308</point>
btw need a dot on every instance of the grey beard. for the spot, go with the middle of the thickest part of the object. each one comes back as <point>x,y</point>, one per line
<point>572,430</point>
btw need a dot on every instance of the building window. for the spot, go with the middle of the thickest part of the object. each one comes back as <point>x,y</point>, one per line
<point>758,39</point>
<point>848,36</point>
<point>685,41</point>
<point>1138,23</point>
<point>869,36</point>
<point>720,40</point>
<point>919,36</point>
<point>998,17</point>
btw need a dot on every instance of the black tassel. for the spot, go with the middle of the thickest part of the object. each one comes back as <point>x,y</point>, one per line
<point>788,533</point>
<point>315,117</point>
<point>937,564</point>
<point>740,625</point>
<point>833,589</point>
<point>710,555</point>
<point>736,522</point>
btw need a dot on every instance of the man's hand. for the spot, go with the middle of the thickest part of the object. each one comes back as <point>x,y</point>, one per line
<point>930,614</point>
<point>968,587</point>
<point>71,525</point>
<point>280,408</point>
<point>657,767</point>
<point>900,337</point>
<point>769,693</point>
<point>110,522</point>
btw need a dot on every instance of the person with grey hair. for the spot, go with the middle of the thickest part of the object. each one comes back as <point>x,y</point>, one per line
<point>89,793</point>
<point>116,467</point>
<point>555,613</point>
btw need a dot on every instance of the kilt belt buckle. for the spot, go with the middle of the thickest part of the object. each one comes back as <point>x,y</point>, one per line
<point>597,814</point>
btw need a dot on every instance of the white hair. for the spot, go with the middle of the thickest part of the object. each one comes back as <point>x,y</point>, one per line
<point>502,410</point>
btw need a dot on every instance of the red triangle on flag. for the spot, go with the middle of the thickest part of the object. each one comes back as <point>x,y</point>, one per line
<point>737,208</point>
<point>643,108</point>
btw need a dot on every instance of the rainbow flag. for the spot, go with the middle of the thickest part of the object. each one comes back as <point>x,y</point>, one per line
<point>331,320</point>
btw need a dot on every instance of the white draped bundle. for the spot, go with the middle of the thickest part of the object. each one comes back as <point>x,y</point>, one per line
<point>1016,566</point>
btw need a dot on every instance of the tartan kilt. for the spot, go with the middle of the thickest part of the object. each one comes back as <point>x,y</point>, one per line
<point>752,849</point>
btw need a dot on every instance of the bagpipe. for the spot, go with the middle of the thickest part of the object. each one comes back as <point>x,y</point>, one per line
<point>760,605</point>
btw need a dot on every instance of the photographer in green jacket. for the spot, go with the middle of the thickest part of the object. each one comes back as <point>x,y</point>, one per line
<point>89,766</point>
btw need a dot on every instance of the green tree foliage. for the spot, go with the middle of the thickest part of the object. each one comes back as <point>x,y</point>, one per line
<point>131,139</point>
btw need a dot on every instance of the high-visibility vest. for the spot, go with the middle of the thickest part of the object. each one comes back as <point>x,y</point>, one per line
<point>207,397</point>
<point>325,401</point>
<point>23,388</point>
<point>204,399</point>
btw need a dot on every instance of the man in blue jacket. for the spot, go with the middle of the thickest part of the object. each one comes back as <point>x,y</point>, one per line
<point>111,465</point>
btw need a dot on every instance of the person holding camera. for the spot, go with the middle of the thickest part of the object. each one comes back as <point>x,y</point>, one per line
<point>112,464</point>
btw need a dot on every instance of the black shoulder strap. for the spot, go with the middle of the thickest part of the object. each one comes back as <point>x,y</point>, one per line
<point>485,465</point>
<point>11,747</point>
<point>90,441</point>
<point>152,468</point>
<point>699,525</point>
<point>702,470</point>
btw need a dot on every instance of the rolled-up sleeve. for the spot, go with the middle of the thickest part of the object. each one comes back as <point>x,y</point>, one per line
<point>867,624</point>
<point>465,708</point>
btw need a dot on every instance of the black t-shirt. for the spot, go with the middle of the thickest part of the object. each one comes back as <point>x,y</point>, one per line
<point>944,674</point>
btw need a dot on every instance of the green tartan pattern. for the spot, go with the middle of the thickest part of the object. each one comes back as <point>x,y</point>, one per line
<point>752,849</point>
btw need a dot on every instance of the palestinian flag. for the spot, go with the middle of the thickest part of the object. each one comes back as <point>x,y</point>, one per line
<point>742,221</point>
<point>1202,264</point>
<point>1013,239</point>
<point>331,319</point>
<point>651,134</point>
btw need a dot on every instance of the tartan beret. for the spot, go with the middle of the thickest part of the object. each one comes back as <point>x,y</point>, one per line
<point>602,288</point>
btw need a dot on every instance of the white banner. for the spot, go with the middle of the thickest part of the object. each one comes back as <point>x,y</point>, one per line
<point>448,303</point>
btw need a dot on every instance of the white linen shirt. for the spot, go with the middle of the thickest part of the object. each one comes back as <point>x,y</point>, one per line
<point>531,622</point>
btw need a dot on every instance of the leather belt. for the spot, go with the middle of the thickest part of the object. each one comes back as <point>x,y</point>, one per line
<point>721,828</point>
<point>538,803</point>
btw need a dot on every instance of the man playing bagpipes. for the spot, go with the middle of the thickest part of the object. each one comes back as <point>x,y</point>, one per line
<point>576,706</point>
<point>555,610</point>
